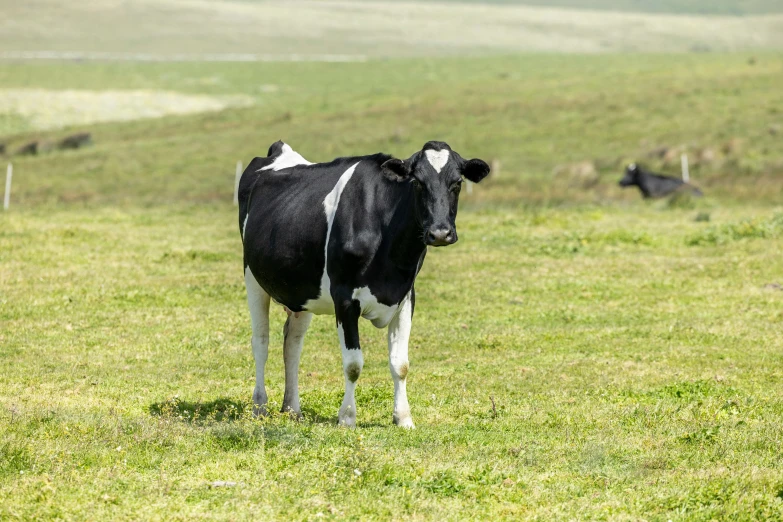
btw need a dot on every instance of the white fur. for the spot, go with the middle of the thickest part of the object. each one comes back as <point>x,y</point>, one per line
<point>288,158</point>
<point>351,356</point>
<point>324,304</point>
<point>437,158</point>
<point>292,350</point>
<point>244,227</point>
<point>398,335</point>
<point>258,304</point>
<point>380,314</point>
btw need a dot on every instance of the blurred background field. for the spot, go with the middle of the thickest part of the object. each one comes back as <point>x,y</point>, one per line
<point>384,29</point>
<point>562,127</point>
<point>632,349</point>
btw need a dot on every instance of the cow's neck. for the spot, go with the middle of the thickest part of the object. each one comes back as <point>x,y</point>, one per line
<point>407,246</point>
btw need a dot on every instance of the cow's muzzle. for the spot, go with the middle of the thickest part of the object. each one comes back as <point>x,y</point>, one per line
<point>441,236</point>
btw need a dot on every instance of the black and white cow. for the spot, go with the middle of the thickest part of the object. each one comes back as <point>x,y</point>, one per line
<point>347,238</point>
<point>654,185</point>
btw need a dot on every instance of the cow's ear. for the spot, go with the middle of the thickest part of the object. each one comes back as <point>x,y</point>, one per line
<point>475,170</point>
<point>396,170</point>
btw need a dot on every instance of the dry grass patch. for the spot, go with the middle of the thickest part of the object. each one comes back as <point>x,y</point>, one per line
<point>48,109</point>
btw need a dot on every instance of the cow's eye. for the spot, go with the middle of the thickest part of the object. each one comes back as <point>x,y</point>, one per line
<point>456,186</point>
<point>416,183</point>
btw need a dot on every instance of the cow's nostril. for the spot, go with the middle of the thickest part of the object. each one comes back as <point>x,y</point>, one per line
<point>440,236</point>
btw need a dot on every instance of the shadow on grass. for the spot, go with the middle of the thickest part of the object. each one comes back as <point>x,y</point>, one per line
<point>313,416</point>
<point>224,410</point>
<point>218,410</point>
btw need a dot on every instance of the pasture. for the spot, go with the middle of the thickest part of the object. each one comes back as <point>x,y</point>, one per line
<point>578,354</point>
<point>387,28</point>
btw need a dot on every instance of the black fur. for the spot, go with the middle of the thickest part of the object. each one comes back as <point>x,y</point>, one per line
<point>654,185</point>
<point>388,213</point>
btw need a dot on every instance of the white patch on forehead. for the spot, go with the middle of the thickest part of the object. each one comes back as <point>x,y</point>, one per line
<point>437,158</point>
<point>324,304</point>
<point>288,158</point>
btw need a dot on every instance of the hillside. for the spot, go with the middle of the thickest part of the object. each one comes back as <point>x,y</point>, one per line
<point>535,114</point>
<point>300,29</point>
<point>704,7</point>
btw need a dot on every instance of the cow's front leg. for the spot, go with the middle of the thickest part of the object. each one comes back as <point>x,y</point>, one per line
<point>399,333</point>
<point>293,335</point>
<point>347,312</point>
<point>258,304</point>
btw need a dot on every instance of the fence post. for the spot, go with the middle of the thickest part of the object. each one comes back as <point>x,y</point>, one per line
<point>8,175</point>
<point>686,176</point>
<point>495,168</point>
<point>236,182</point>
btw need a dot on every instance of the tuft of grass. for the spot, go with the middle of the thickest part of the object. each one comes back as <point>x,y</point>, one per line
<point>15,458</point>
<point>753,228</point>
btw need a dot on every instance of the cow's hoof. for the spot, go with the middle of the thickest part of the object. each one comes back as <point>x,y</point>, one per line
<point>347,416</point>
<point>260,401</point>
<point>294,415</point>
<point>346,420</point>
<point>404,421</point>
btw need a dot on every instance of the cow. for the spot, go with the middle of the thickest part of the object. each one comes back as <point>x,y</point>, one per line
<point>75,141</point>
<point>655,185</point>
<point>345,238</point>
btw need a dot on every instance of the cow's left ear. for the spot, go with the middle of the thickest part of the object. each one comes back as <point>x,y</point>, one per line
<point>475,170</point>
<point>396,170</point>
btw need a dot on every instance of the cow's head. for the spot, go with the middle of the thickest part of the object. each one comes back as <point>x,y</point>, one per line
<point>436,174</point>
<point>631,175</point>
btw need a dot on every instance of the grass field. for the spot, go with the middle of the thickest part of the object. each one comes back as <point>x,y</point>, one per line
<point>375,29</point>
<point>633,352</point>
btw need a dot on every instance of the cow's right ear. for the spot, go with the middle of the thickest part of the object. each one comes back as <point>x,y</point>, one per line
<point>396,170</point>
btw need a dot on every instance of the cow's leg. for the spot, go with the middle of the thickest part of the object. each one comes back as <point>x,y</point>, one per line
<point>347,312</point>
<point>258,304</point>
<point>399,333</point>
<point>293,335</point>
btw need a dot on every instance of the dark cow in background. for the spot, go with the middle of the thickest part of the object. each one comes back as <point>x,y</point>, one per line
<point>655,185</point>
<point>75,141</point>
<point>347,238</point>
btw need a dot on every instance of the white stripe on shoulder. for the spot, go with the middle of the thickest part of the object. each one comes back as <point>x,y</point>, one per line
<point>288,158</point>
<point>323,303</point>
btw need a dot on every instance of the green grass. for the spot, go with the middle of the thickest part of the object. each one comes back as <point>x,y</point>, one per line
<point>633,352</point>
<point>634,375</point>
<point>531,113</point>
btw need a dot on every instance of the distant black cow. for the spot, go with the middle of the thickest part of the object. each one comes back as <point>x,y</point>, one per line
<point>75,141</point>
<point>346,238</point>
<point>654,185</point>
<point>29,149</point>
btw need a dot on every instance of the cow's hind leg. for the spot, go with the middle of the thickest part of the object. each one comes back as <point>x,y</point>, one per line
<point>399,333</point>
<point>347,312</point>
<point>258,304</point>
<point>293,334</point>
